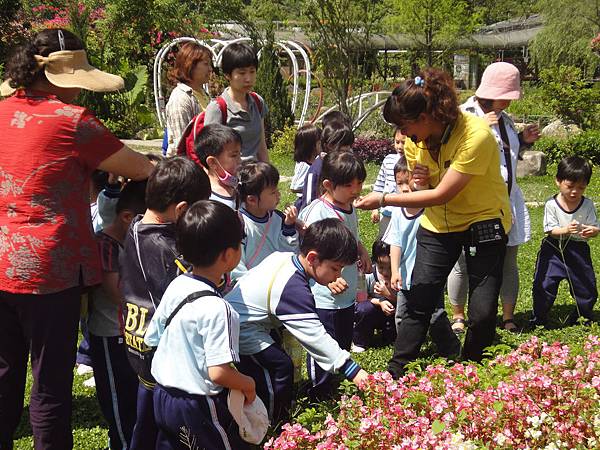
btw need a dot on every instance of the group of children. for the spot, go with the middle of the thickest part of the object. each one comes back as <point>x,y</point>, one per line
<point>203,276</point>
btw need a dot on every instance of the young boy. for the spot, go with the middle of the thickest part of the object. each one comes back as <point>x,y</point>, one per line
<point>267,229</point>
<point>196,334</point>
<point>148,263</point>
<point>277,292</point>
<point>386,182</point>
<point>116,382</point>
<point>217,150</point>
<point>342,178</point>
<point>377,312</point>
<point>246,110</point>
<point>401,235</point>
<point>569,221</point>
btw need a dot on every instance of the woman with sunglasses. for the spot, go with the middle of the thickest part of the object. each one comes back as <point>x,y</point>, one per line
<point>455,168</point>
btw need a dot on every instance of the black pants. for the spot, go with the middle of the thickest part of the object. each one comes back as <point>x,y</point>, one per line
<point>44,326</point>
<point>436,255</point>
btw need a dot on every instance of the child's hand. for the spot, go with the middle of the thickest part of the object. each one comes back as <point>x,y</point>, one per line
<point>364,260</point>
<point>396,281</point>
<point>589,231</point>
<point>249,391</point>
<point>574,227</point>
<point>360,378</point>
<point>375,216</point>
<point>387,307</point>
<point>338,286</point>
<point>420,175</point>
<point>291,214</point>
<point>382,290</point>
<point>491,118</point>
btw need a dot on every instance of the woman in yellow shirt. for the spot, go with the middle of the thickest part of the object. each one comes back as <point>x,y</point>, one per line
<point>455,167</point>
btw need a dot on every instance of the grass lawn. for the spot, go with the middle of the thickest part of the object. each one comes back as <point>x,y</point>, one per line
<point>89,426</point>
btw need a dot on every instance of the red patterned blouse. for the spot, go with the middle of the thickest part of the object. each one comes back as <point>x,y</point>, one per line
<point>49,150</point>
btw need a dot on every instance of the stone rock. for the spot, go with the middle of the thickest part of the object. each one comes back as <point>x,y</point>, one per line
<point>558,129</point>
<point>533,163</point>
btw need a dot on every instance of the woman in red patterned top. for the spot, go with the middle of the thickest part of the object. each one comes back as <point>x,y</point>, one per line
<point>47,250</point>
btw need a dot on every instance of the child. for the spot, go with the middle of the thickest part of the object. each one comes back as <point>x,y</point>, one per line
<point>116,382</point>
<point>196,334</point>
<point>386,182</point>
<point>377,312</point>
<point>104,194</point>
<point>277,292</point>
<point>569,221</point>
<point>336,136</point>
<point>401,235</point>
<point>148,263</point>
<point>217,150</point>
<point>307,145</point>
<point>342,178</point>
<point>267,229</point>
<point>246,110</point>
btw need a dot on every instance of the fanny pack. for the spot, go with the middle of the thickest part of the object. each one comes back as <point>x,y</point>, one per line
<point>486,231</point>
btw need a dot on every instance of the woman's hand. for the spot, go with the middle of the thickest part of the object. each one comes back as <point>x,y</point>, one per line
<point>370,201</point>
<point>491,118</point>
<point>420,176</point>
<point>531,133</point>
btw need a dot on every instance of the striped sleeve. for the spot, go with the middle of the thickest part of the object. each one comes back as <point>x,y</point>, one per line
<point>221,334</point>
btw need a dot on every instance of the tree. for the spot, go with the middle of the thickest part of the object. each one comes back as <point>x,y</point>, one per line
<point>340,32</point>
<point>433,24</point>
<point>565,38</point>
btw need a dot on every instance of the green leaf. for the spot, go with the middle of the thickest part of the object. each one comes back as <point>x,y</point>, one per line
<point>498,406</point>
<point>437,427</point>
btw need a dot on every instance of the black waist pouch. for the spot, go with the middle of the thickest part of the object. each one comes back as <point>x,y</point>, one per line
<point>486,231</point>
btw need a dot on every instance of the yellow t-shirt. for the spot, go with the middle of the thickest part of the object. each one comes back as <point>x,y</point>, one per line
<point>471,149</point>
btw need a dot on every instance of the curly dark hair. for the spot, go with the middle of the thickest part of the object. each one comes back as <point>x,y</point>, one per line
<point>22,68</point>
<point>436,97</point>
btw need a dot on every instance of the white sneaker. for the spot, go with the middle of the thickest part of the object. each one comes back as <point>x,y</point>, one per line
<point>91,383</point>
<point>357,349</point>
<point>82,369</point>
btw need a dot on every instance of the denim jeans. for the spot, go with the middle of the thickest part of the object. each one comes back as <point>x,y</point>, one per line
<point>436,255</point>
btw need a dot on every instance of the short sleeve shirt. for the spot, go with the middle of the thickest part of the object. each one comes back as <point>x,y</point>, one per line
<point>46,240</point>
<point>471,149</point>
<point>248,123</point>
<point>556,216</point>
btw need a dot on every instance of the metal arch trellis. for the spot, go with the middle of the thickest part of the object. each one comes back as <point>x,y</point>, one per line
<point>216,46</point>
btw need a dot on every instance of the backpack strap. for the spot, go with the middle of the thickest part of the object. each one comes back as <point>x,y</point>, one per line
<point>259,104</point>
<point>223,107</point>
<point>189,299</point>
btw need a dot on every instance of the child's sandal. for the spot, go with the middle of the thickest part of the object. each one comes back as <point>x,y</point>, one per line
<point>458,326</point>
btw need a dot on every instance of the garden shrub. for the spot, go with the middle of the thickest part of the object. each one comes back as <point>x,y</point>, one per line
<point>373,149</point>
<point>571,98</point>
<point>283,142</point>
<point>586,145</point>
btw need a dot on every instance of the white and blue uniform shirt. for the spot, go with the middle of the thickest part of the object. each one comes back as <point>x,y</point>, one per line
<point>264,236</point>
<point>402,232</point>
<point>386,180</point>
<point>227,201</point>
<point>276,293</point>
<point>555,216</point>
<point>202,334</point>
<point>300,172</point>
<point>321,209</point>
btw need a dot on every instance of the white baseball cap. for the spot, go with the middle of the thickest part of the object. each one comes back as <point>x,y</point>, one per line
<point>252,419</point>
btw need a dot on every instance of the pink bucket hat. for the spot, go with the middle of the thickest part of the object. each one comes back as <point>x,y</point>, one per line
<point>500,81</point>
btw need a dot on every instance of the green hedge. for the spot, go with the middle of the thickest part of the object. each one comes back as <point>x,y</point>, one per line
<point>586,144</point>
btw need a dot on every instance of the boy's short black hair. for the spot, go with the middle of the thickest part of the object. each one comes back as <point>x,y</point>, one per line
<point>336,116</point>
<point>175,180</point>
<point>133,197</point>
<point>379,250</point>
<point>99,179</point>
<point>207,229</point>
<point>342,168</point>
<point>305,142</point>
<point>212,139</point>
<point>574,168</point>
<point>238,56</point>
<point>401,165</point>
<point>336,135</point>
<point>332,240</point>
<point>153,157</point>
<point>255,177</point>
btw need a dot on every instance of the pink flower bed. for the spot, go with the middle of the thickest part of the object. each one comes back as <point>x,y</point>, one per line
<point>540,396</point>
